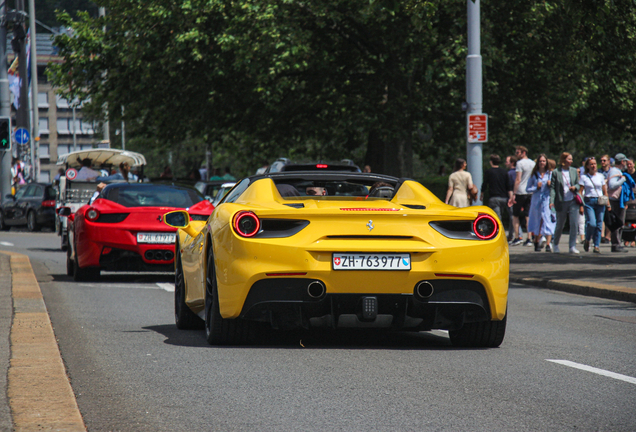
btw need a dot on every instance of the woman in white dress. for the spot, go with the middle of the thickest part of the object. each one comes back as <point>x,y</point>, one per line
<point>540,221</point>
<point>459,183</point>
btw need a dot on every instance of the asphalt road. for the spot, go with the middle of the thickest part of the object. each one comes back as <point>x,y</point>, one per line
<point>568,362</point>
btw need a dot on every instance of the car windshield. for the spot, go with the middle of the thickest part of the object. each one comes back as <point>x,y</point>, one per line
<point>153,196</point>
<point>335,189</point>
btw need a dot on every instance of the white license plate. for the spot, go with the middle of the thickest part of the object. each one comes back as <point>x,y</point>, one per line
<point>156,238</point>
<point>373,261</point>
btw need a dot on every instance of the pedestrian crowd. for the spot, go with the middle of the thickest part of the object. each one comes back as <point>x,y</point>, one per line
<point>541,195</point>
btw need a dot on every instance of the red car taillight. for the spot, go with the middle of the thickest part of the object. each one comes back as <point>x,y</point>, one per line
<point>246,224</point>
<point>485,227</point>
<point>92,214</point>
<point>48,203</point>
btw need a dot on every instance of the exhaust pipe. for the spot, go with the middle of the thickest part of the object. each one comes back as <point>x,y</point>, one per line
<point>168,255</point>
<point>316,290</point>
<point>423,290</point>
<point>150,255</point>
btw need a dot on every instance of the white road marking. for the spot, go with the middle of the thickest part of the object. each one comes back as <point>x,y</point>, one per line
<point>603,372</point>
<point>166,286</point>
<point>123,286</point>
<point>6,243</point>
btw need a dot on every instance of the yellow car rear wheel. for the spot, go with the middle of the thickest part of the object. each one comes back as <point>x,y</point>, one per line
<point>218,330</point>
<point>185,319</point>
<point>488,334</point>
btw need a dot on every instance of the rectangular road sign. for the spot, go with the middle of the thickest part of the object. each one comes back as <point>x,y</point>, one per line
<point>477,128</point>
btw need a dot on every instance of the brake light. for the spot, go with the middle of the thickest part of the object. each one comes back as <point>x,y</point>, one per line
<point>485,227</point>
<point>246,224</point>
<point>92,214</point>
<point>48,203</point>
<point>322,166</point>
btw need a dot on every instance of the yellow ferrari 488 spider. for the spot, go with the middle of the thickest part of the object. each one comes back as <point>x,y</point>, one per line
<point>341,250</point>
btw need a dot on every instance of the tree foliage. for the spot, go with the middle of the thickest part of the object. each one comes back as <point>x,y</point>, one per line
<point>377,81</point>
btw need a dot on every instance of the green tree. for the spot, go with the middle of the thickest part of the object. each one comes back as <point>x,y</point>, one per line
<point>377,81</point>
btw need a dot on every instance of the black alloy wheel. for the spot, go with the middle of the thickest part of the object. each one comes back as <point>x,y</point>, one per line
<point>218,330</point>
<point>185,319</point>
<point>32,224</point>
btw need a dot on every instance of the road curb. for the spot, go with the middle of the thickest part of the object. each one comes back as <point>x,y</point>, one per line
<point>591,289</point>
<point>39,392</point>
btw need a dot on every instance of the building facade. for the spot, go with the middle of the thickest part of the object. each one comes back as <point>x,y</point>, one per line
<point>58,133</point>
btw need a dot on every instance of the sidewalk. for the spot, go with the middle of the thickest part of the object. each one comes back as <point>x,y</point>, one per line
<point>609,274</point>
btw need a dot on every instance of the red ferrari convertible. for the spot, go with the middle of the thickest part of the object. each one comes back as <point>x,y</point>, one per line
<point>123,229</point>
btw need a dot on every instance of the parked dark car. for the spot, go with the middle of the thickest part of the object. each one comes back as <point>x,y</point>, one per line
<point>285,165</point>
<point>210,188</point>
<point>33,205</point>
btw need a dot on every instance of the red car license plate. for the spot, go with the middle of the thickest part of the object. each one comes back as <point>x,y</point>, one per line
<point>156,238</point>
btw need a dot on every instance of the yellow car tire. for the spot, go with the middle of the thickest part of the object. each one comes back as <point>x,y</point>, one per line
<point>184,318</point>
<point>218,330</point>
<point>488,334</point>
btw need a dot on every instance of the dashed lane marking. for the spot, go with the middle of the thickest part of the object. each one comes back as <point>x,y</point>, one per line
<point>598,371</point>
<point>3,243</point>
<point>166,286</point>
<point>152,286</point>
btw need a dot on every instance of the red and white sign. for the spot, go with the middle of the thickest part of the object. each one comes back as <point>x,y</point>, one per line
<point>477,128</point>
<point>71,173</point>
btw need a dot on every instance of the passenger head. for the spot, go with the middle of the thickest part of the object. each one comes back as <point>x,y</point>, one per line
<point>125,169</point>
<point>287,190</point>
<point>315,190</point>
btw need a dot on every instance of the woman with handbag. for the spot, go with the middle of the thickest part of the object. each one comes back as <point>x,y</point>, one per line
<point>460,183</point>
<point>563,198</point>
<point>596,201</point>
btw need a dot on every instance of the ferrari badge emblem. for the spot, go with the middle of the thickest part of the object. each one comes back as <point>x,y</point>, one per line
<point>370,225</point>
<point>159,218</point>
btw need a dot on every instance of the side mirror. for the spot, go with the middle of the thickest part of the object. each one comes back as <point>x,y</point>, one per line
<point>179,219</point>
<point>63,211</point>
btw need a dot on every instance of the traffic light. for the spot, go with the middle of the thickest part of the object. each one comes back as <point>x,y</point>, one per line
<point>5,133</point>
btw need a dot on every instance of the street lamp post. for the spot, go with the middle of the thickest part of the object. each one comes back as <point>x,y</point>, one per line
<point>474,156</point>
<point>74,133</point>
<point>5,106</point>
<point>35,132</point>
